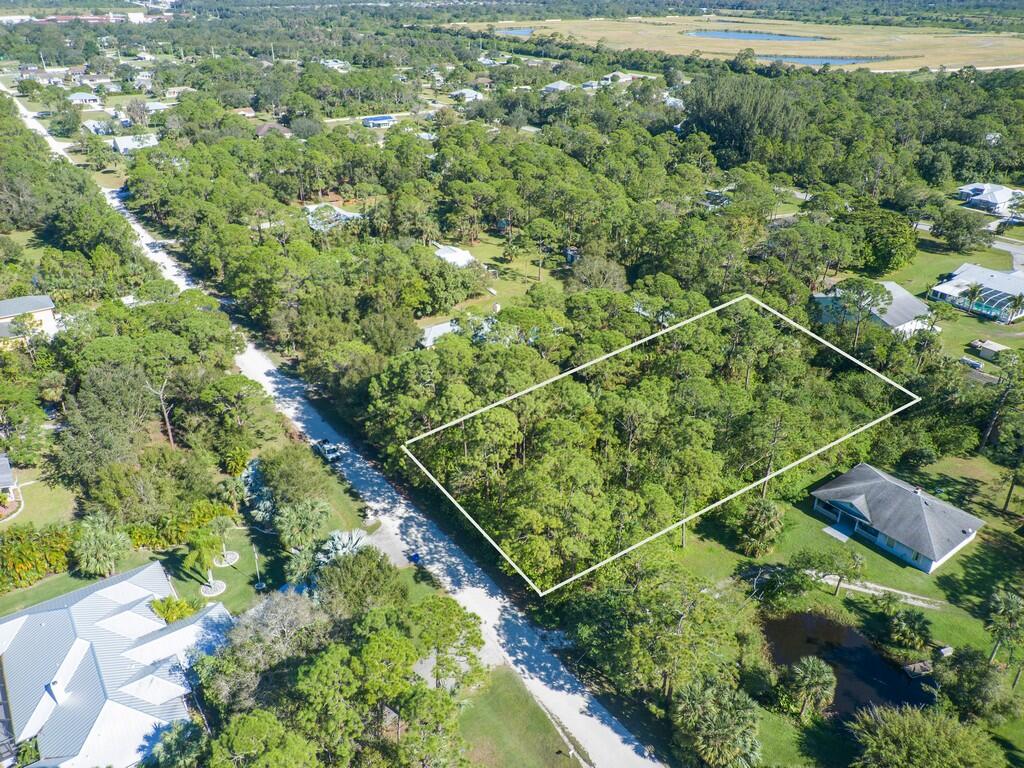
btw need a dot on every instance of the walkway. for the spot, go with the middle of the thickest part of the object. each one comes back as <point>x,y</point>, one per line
<point>870,588</point>
<point>509,635</point>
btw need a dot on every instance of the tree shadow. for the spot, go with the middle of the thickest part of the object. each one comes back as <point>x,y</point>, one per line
<point>827,743</point>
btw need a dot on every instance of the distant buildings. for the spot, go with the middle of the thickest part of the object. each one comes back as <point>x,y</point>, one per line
<point>336,64</point>
<point>991,198</point>
<point>95,675</point>
<point>125,145</point>
<point>39,308</point>
<point>83,98</point>
<point>987,349</point>
<point>457,257</point>
<point>905,314</point>
<point>896,516</point>
<point>7,486</point>
<point>559,86</point>
<point>987,292</point>
<point>466,95</point>
<point>379,121</point>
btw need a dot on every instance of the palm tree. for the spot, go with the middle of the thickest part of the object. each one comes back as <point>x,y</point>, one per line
<point>220,525</point>
<point>1006,620</point>
<point>202,548</point>
<point>727,735</point>
<point>231,491</point>
<point>1015,307</point>
<point>813,682</point>
<point>974,291</point>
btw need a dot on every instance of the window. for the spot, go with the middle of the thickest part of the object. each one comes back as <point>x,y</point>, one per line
<point>890,542</point>
<point>916,557</point>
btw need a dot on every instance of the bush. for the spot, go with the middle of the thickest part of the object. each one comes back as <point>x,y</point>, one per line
<point>172,609</point>
<point>27,554</point>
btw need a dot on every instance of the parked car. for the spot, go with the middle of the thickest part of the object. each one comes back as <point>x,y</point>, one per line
<point>972,363</point>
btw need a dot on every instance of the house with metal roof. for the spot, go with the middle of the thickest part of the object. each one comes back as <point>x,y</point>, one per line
<point>904,315</point>
<point>996,299</point>
<point>379,121</point>
<point>559,86</point>
<point>95,676</point>
<point>125,145</point>
<point>7,481</point>
<point>457,257</point>
<point>993,198</point>
<point>895,516</point>
<point>38,307</point>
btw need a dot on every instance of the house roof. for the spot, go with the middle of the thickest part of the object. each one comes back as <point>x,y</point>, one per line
<point>455,256</point>
<point>558,85</point>
<point>904,308</point>
<point>912,517</point>
<point>22,304</point>
<point>140,141</point>
<point>95,673</point>
<point>6,473</point>
<point>999,287</point>
<point>434,332</point>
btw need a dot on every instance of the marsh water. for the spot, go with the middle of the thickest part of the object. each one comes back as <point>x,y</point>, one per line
<point>863,675</point>
<point>728,34</point>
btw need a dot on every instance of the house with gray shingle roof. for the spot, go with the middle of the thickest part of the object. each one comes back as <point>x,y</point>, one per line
<point>896,516</point>
<point>95,675</point>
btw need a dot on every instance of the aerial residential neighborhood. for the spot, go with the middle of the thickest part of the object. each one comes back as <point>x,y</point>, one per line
<point>511,385</point>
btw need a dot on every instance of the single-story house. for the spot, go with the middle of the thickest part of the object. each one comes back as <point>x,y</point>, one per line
<point>7,481</point>
<point>591,85</point>
<point>466,95</point>
<point>434,332</point>
<point>125,145</point>
<point>559,86</point>
<point>617,77</point>
<point>898,517</point>
<point>457,257</point>
<point>998,291</point>
<point>905,314</point>
<point>39,307</point>
<point>987,349</point>
<point>268,128</point>
<point>99,127</point>
<point>323,217</point>
<point>81,98</point>
<point>993,198</point>
<point>336,64</point>
<point>379,121</point>
<point>95,676</point>
<point>176,91</point>
<point>156,106</point>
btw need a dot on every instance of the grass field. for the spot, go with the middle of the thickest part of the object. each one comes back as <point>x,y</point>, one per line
<point>897,48</point>
<point>45,502</point>
<point>505,727</point>
<point>513,278</point>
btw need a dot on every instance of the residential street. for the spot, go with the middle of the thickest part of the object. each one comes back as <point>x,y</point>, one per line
<point>510,637</point>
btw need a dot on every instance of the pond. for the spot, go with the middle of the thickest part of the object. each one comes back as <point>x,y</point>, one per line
<point>515,31</point>
<point>863,675</point>
<point>728,34</point>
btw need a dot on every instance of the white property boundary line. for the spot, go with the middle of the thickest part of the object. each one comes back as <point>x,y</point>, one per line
<point>914,400</point>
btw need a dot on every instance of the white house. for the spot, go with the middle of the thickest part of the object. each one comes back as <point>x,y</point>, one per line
<point>898,517</point>
<point>125,145</point>
<point>987,349</point>
<point>559,86</point>
<point>905,315</point>
<point>379,121</point>
<point>83,98</point>
<point>466,95</point>
<point>434,332</point>
<point>336,64</point>
<point>95,676</point>
<point>153,107</point>
<point>618,77</point>
<point>992,198</point>
<point>38,307</point>
<point>457,257</point>
<point>998,295</point>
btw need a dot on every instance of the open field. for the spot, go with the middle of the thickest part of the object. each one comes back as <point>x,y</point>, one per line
<point>891,48</point>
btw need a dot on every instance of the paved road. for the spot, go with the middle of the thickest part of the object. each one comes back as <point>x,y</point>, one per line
<point>509,635</point>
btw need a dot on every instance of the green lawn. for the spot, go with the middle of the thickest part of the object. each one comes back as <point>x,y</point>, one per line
<point>505,727</point>
<point>45,502</point>
<point>513,278</point>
